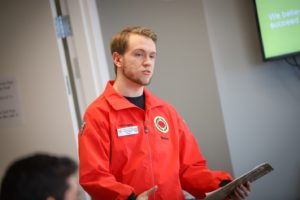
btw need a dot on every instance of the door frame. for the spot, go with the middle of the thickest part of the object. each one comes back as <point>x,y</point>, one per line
<point>87,55</point>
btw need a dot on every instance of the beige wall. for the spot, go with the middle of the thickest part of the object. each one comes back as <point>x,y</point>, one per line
<point>260,101</point>
<point>29,55</point>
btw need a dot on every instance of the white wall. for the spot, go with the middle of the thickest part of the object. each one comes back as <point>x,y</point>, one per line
<point>29,55</point>
<point>260,101</point>
<point>184,73</point>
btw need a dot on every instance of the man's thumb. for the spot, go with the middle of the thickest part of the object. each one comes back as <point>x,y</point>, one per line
<point>151,190</point>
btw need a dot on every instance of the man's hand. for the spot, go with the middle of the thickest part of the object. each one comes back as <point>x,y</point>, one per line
<point>241,192</point>
<point>147,193</point>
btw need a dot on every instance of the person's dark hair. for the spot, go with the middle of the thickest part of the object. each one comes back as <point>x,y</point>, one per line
<point>120,40</point>
<point>37,177</point>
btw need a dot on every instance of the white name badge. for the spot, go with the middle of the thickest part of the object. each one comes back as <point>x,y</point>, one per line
<point>131,130</point>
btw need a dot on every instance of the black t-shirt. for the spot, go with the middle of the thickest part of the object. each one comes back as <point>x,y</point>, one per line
<point>138,101</point>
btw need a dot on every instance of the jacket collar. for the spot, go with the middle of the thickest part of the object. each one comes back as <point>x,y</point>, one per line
<point>118,102</point>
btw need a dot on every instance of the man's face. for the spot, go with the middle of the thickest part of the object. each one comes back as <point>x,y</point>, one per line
<point>72,191</point>
<point>137,63</point>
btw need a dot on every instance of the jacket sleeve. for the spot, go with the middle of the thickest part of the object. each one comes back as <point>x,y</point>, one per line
<point>195,176</point>
<point>94,160</point>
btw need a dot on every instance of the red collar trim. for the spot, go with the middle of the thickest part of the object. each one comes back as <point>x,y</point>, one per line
<point>118,102</point>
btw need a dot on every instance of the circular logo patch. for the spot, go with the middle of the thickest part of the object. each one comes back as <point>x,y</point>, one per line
<point>161,124</point>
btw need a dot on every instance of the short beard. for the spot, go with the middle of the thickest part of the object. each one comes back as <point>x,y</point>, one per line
<point>135,79</point>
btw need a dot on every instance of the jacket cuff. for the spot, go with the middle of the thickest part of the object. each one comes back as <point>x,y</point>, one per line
<point>224,182</point>
<point>132,196</point>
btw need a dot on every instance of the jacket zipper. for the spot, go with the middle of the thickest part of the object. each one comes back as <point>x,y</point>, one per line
<point>146,130</point>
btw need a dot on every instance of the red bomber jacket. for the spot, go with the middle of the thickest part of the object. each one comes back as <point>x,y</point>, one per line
<point>124,149</point>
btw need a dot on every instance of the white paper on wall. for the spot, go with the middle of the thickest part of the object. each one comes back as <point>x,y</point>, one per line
<point>9,103</point>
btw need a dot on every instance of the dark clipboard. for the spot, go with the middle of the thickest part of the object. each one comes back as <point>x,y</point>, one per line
<point>251,176</point>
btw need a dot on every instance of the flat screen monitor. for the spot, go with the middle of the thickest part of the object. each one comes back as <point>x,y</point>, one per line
<point>278,24</point>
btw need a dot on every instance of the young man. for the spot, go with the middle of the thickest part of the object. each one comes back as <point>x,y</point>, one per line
<point>133,145</point>
<point>40,177</point>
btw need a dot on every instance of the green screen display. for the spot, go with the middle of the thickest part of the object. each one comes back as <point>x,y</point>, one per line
<point>279,25</point>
